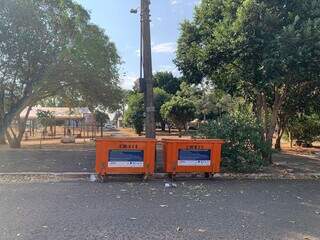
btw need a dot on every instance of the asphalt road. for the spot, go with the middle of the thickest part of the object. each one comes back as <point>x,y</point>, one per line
<point>193,210</point>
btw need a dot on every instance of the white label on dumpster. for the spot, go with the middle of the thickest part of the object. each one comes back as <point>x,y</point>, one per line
<point>194,157</point>
<point>125,158</point>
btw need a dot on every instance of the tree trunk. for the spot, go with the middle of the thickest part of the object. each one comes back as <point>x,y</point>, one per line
<point>2,113</point>
<point>290,139</point>
<point>278,140</point>
<point>180,132</point>
<point>3,140</point>
<point>163,126</point>
<point>282,122</point>
<point>2,130</point>
<point>15,140</point>
<point>270,126</point>
<point>101,129</point>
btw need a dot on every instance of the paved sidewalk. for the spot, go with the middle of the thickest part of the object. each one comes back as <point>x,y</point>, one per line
<point>50,160</point>
<point>297,163</point>
<point>54,160</point>
<point>83,160</point>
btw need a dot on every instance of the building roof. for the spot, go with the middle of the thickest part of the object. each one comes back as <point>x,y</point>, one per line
<point>60,113</point>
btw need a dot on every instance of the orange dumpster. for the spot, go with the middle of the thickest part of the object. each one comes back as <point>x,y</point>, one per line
<point>192,155</point>
<point>125,156</point>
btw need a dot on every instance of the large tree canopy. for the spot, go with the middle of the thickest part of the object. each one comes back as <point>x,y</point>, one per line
<point>167,82</point>
<point>49,48</point>
<point>258,49</point>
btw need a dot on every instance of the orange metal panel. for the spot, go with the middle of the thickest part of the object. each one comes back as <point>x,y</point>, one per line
<point>105,146</point>
<point>172,163</point>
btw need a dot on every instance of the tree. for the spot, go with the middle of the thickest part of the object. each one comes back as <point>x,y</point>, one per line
<point>160,97</point>
<point>48,48</point>
<point>101,119</point>
<point>301,101</point>
<point>256,49</point>
<point>14,136</point>
<point>304,128</point>
<point>167,82</point>
<point>2,112</point>
<point>46,119</point>
<point>179,111</point>
<point>94,75</point>
<point>33,34</point>
<point>134,115</point>
<point>214,103</point>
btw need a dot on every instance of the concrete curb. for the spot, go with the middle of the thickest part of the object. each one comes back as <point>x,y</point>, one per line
<point>160,176</point>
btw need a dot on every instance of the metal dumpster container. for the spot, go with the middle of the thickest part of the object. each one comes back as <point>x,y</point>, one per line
<point>192,155</point>
<point>125,156</point>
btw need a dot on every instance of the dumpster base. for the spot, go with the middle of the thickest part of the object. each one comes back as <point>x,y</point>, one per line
<point>206,175</point>
<point>115,177</point>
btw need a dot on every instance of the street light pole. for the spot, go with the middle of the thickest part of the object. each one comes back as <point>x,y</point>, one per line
<point>147,69</point>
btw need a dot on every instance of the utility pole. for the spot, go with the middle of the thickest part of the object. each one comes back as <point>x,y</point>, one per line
<point>150,126</point>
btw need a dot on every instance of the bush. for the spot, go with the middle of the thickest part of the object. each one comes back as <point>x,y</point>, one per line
<point>244,149</point>
<point>134,115</point>
<point>305,129</point>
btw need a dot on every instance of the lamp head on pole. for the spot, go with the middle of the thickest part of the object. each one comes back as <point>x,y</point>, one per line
<point>134,10</point>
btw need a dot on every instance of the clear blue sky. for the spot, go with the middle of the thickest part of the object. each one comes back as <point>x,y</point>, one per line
<point>123,29</point>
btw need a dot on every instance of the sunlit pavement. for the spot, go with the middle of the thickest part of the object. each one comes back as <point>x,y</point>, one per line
<point>217,209</point>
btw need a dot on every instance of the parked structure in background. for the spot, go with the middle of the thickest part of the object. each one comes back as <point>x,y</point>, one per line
<point>78,122</point>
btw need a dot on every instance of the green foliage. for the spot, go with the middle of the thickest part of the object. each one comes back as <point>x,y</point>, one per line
<point>259,50</point>
<point>49,48</point>
<point>167,82</point>
<point>160,97</point>
<point>189,91</point>
<point>93,64</point>
<point>45,118</point>
<point>134,115</point>
<point>214,103</point>
<point>257,44</point>
<point>305,128</point>
<point>101,117</point>
<point>244,149</point>
<point>179,111</point>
